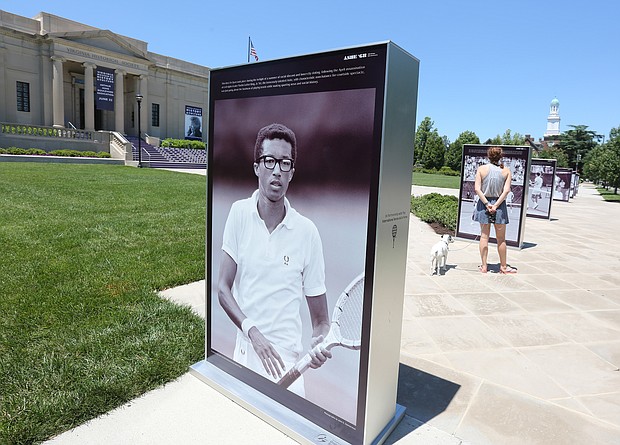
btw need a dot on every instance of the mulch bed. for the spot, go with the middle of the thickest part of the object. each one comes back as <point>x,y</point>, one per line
<point>440,229</point>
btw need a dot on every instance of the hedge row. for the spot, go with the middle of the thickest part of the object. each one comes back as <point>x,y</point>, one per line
<point>445,170</point>
<point>67,153</point>
<point>436,208</point>
<point>183,143</point>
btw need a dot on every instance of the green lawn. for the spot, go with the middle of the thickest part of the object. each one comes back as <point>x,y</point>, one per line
<point>429,180</point>
<point>608,194</point>
<point>82,250</point>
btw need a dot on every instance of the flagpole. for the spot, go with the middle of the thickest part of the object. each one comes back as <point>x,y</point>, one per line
<point>249,43</point>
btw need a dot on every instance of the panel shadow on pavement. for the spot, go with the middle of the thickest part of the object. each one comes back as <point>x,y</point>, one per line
<point>422,394</point>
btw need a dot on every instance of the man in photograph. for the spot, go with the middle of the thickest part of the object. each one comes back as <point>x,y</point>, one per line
<point>536,193</point>
<point>272,260</point>
<point>194,131</point>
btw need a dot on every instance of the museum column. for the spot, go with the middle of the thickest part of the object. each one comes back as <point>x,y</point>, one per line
<point>58,95</point>
<point>146,111</point>
<point>119,101</point>
<point>89,96</point>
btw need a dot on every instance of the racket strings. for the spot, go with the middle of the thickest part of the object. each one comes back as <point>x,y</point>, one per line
<point>350,319</point>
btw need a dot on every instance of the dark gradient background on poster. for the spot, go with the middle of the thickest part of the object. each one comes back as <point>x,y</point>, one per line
<point>338,131</point>
<point>546,168</point>
<point>517,159</point>
<point>562,182</point>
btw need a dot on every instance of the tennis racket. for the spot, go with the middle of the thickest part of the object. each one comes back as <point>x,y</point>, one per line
<point>345,329</point>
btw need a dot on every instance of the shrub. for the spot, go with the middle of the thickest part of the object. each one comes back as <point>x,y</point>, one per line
<point>40,152</point>
<point>36,151</point>
<point>436,208</point>
<point>69,153</point>
<point>16,151</point>
<point>183,143</point>
<point>445,170</point>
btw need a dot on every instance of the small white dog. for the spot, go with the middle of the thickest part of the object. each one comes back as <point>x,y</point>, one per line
<point>439,254</point>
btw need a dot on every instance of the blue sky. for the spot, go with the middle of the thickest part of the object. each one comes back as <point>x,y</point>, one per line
<point>485,66</point>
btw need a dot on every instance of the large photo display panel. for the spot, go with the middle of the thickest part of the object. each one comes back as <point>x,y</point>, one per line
<point>562,182</point>
<point>516,158</point>
<point>332,102</point>
<point>542,181</point>
<point>574,184</point>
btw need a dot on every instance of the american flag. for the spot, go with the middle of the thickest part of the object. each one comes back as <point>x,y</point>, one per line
<point>253,51</point>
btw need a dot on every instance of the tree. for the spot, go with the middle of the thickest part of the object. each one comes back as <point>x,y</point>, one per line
<point>434,151</point>
<point>507,139</point>
<point>553,152</point>
<point>421,137</point>
<point>602,163</point>
<point>577,142</point>
<point>454,155</point>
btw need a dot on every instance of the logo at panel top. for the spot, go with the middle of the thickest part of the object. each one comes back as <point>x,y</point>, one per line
<point>359,56</point>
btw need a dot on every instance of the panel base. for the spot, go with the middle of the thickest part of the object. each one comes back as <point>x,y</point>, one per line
<point>280,417</point>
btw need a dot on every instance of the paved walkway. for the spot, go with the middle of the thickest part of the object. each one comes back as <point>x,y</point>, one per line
<point>531,358</point>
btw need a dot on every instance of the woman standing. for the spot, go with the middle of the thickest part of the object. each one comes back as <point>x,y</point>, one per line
<point>492,185</point>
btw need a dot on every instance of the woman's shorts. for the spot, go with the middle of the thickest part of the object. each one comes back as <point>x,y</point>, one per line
<point>481,215</point>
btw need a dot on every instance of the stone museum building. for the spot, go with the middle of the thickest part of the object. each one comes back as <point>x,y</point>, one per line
<point>57,73</point>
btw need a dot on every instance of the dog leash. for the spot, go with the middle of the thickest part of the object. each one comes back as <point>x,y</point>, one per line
<point>466,245</point>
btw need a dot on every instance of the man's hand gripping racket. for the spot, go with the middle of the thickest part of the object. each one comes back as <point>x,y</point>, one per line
<point>345,330</point>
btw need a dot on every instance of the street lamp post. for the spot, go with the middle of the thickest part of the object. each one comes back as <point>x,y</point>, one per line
<point>577,162</point>
<point>139,99</point>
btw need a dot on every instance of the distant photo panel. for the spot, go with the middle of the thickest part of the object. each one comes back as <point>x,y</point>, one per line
<point>541,181</point>
<point>517,158</point>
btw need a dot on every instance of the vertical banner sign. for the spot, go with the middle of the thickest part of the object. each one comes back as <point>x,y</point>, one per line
<point>295,163</point>
<point>518,160</point>
<point>540,196</point>
<point>193,123</point>
<point>104,82</point>
<point>562,181</point>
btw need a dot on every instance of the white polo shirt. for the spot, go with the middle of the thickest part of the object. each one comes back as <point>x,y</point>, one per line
<point>274,271</point>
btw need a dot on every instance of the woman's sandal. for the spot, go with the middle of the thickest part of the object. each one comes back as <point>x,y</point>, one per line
<point>482,269</point>
<point>508,270</point>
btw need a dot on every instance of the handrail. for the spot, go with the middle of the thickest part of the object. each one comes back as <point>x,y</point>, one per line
<point>71,125</point>
<point>147,153</point>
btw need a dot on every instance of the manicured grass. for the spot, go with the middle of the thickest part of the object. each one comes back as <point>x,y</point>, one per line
<point>82,250</point>
<point>608,194</point>
<point>429,180</point>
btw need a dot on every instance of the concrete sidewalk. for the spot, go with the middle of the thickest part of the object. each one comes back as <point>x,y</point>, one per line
<point>531,358</point>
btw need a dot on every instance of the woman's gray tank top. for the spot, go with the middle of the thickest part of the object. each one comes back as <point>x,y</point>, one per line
<point>493,182</point>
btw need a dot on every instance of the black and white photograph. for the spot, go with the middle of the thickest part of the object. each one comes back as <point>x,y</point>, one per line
<point>193,123</point>
<point>289,186</point>
<point>574,184</point>
<point>561,184</point>
<point>516,158</point>
<point>540,196</point>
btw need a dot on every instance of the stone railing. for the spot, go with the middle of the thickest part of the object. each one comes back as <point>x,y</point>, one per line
<point>51,132</point>
<point>53,138</point>
<point>120,148</point>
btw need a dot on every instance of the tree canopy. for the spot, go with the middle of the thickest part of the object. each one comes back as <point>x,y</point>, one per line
<point>429,147</point>
<point>602,163</point>
<point>553,152</point>
<point>507,139</point>
<point>454,155</point>
<point>577,143</point>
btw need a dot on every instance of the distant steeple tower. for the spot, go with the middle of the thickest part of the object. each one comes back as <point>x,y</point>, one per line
<point>553,120</point>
